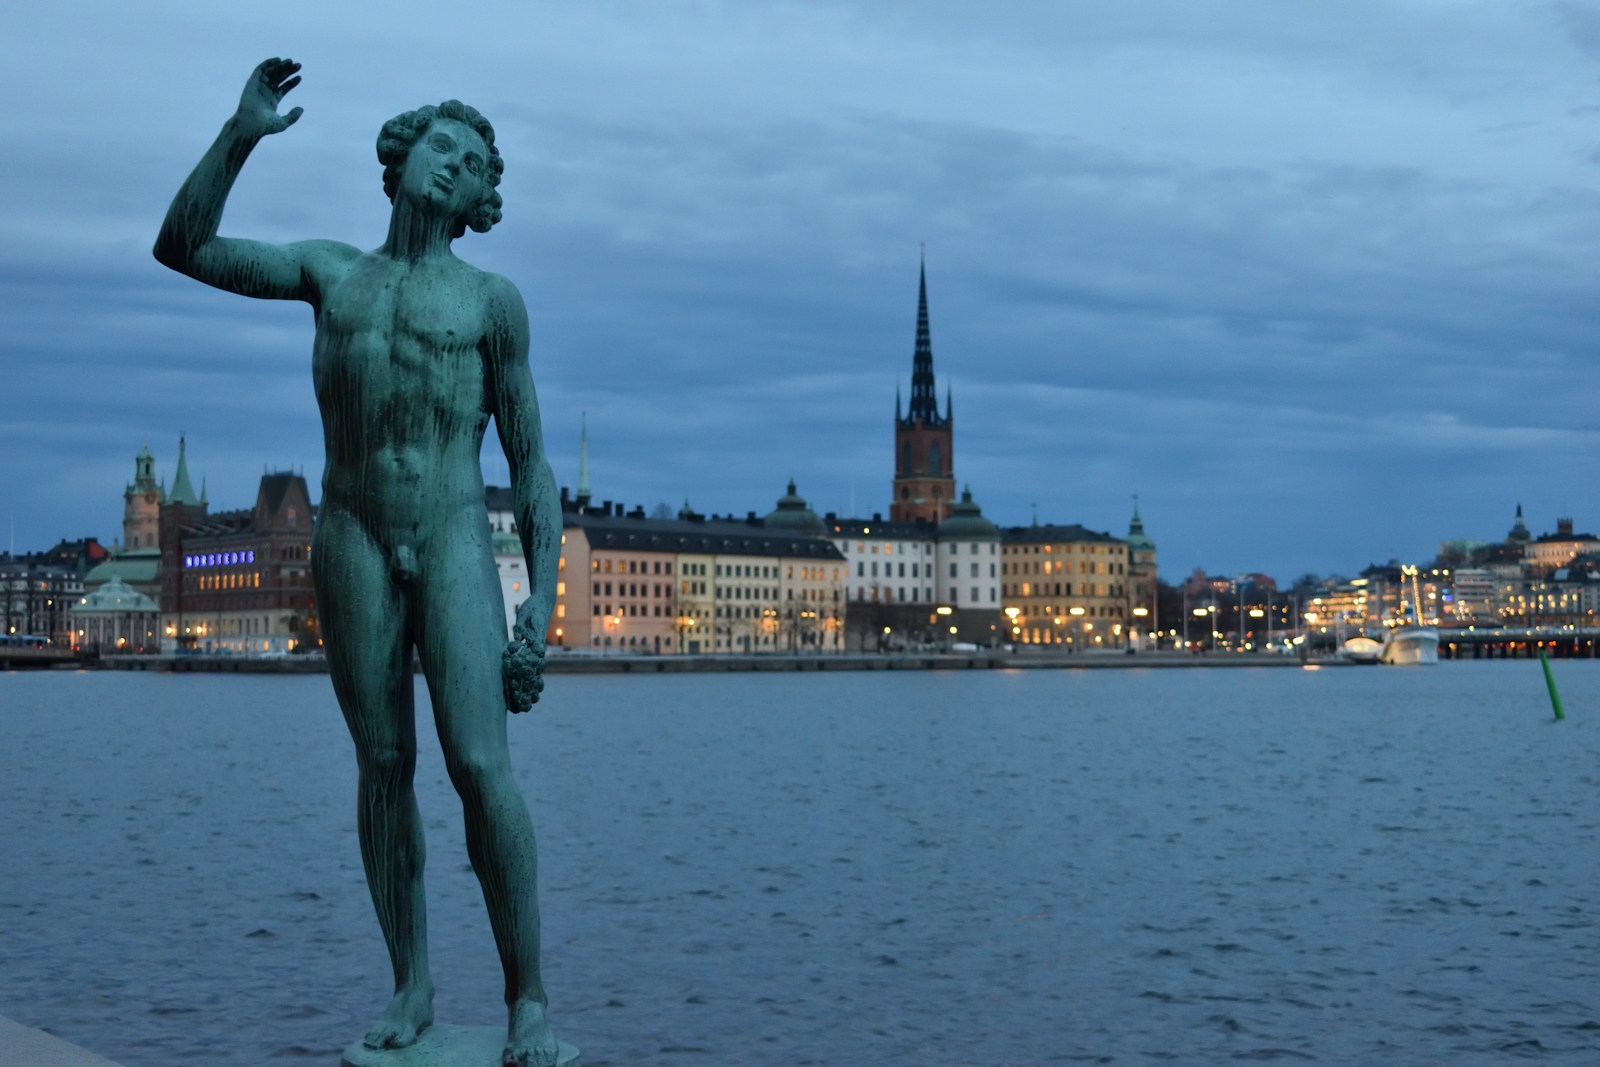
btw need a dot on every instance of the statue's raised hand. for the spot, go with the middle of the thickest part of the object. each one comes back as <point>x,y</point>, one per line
<point>258,104</point>
<point>522,665</point>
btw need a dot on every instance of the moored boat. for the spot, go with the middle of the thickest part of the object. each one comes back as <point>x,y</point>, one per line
<point>1407,646</point>
<point>1360,650</point>
<point>1412,642</point>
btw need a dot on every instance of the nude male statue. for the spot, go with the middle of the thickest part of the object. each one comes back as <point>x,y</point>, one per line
<point>414,351</point>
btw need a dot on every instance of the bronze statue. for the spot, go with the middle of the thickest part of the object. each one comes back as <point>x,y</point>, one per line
<point>414,351</point>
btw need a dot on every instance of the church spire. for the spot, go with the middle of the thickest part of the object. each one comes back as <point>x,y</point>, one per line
<point>182,489</point>
<point>583,459</point>
<point>924,446</point>
<point>1519,529</point>
<point>924,402</point>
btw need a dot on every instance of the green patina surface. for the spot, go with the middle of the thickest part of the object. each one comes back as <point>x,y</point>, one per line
<point>414,352</point>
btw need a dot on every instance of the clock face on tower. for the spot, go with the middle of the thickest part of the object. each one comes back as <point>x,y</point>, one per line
<point>149,498</point>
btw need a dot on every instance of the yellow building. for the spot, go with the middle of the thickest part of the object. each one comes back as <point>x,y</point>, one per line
<point>631,584</point>
<point>1065,586</point>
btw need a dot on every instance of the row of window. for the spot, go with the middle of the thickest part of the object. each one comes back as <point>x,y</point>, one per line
<point>645,589</point>
<point>213,582</point>
<point>1081,547</point>
<point>1064,566</point>
<point>745,570</point>
<point>863,567</point>
<point>600,565</point>
<point>1063,589</point>
<point>872,594</point>
<point>627,566</point>
<point>656,611</point>
<point>1093,611</point>
<point>918,548</point>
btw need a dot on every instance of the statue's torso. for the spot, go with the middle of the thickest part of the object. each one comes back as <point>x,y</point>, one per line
<point>401,384</point>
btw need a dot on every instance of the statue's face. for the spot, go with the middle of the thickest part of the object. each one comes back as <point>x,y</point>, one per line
<point>446,169</point>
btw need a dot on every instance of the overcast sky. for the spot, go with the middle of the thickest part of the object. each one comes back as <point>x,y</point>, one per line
<point>1317,281</point>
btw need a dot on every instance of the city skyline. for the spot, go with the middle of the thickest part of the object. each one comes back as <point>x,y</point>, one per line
<point>1314,285</point>
<point>1519,526</point>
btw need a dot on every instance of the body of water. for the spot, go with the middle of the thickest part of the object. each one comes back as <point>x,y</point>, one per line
<point>1373,865</point>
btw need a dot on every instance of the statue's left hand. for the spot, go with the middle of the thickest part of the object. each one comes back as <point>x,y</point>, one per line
<point>522,665</point>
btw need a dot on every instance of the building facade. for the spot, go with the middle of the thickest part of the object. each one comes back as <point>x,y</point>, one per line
<point>692,585</point>
<point>116,618</point>
<point>240,581</point>
<point>1065,586</point>
<point>36,596</point>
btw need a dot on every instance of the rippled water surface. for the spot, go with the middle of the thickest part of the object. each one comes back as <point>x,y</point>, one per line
<point>1352,866</point>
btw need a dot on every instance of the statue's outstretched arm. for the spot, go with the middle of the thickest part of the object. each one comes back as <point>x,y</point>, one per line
<point>533,488</point>
<point>188,241</point>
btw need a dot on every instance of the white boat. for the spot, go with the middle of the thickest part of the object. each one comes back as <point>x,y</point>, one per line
<point>1360,650</point>
<point>1410,645</point>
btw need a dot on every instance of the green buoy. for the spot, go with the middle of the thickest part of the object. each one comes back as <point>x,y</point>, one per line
<point>1550,681</point>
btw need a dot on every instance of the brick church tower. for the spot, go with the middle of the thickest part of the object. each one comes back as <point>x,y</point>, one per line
<point>924,453</point>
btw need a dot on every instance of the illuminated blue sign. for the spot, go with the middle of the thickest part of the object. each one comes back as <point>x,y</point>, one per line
<point>220,559</point>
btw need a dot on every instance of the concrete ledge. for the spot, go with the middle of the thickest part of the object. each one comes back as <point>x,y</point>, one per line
<point>24,1045</point>
<point>444,1045</point>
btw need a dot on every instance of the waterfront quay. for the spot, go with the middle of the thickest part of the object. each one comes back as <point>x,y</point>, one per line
<point>581,663</point>
<point>1455,645</point>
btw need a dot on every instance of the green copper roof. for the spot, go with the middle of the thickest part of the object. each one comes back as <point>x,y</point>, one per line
<point>793,514</point>
<point>139,566</point>
<point>1136,536</point>
<point>115,596</point>
<point>182,490</point>
<point>966,522</point>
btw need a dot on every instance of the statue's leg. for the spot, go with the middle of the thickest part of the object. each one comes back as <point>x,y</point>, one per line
<point>363,614</point>
<point>462,634</point>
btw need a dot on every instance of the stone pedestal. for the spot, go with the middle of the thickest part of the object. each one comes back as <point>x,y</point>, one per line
<point>448,1046</point>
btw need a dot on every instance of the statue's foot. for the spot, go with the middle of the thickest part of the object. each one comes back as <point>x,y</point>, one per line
<point>529,1042</point>
<point>408,1014</point>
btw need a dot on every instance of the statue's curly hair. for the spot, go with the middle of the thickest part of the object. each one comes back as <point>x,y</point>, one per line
<point>400,133</point>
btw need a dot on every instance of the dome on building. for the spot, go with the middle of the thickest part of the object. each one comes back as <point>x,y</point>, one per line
<point>115,595</point>
<point>795,516</point>
<point>966,522</point>
<point>1137,540</point>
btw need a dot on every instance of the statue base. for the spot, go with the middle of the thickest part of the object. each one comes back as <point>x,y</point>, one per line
<point>448,1046</point>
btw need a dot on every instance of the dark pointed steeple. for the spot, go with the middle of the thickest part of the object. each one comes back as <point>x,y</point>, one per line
<point>949,402</point>
<point>924,440</point>
<point>1519,529</point>
<point>924,402</point>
